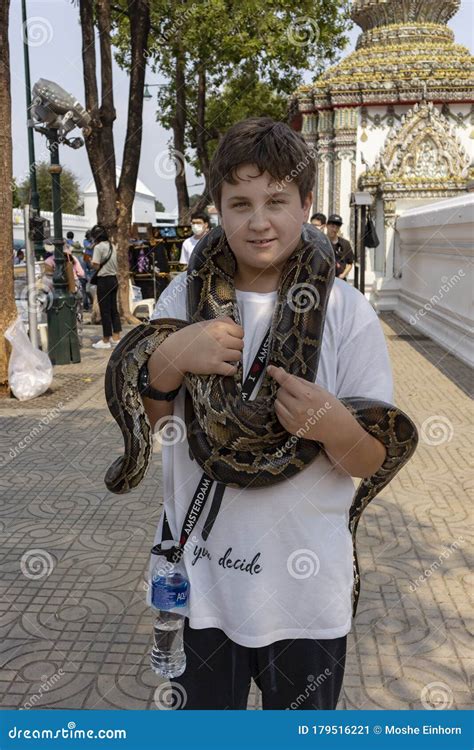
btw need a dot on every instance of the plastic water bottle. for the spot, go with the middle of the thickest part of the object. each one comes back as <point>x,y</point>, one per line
<point>169,593</point>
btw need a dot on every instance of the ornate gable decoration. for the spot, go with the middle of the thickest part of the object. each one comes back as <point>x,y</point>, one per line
<point>421,154</point>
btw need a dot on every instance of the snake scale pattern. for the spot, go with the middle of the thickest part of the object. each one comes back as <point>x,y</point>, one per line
<point>239,443</point>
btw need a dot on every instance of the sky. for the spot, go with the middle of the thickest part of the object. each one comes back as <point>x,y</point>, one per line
<point>55,54</point>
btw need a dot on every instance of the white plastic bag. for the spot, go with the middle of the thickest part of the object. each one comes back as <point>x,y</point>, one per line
<point>30,372</point>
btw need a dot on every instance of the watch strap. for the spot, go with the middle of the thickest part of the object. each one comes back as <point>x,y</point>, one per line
<point>147,390</point>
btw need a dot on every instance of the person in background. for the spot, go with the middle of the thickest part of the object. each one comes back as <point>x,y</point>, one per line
<point>342,248</point>
<point>87,245</point>
<point>200,224</point>
<point>70,239</point>
<point>19,257</point>
<point>319,220</point>
<point>50,265</point>
<point>104,261</point>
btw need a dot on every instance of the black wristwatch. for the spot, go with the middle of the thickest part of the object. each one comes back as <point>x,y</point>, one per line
<point>145,389</point>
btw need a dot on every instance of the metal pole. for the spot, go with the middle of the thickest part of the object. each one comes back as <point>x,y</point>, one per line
<point>356,247</point>
<point>63,342</point>
<point>362,249</point>
<point>34,198</point>
<point>32,296</point>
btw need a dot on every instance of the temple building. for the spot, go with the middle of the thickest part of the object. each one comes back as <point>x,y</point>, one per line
<point>394,118</point>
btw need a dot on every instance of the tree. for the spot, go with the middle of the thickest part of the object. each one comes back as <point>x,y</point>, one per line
<point>235,57</point>
<point>8,308</point>
<point>194,200</point>
<point>159,206</point>
<point>71,198</point>
<point>115,202</point>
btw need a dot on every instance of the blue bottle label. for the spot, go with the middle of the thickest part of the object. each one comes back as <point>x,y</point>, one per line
<point>168,593</point>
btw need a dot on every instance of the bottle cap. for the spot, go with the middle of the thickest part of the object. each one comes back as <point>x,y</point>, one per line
<point>171,554</point>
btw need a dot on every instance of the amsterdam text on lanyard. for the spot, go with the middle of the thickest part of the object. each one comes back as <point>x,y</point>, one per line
<point>205,485</point>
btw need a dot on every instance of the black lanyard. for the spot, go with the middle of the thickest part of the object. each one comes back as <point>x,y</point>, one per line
<point>204,487</point>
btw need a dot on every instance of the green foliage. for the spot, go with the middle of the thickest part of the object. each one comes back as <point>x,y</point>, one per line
<point>252,54</point>
<point>159,206</point>
<point>71,199</point>
<point>16,195</point>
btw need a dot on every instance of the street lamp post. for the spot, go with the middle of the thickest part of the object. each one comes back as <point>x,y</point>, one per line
<point>63,341</point>
<point>59,113</point>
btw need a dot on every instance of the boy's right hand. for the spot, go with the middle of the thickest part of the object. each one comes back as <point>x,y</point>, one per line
<point>210,347</point>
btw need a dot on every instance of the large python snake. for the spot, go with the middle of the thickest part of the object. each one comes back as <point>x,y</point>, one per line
<point>239,443</point>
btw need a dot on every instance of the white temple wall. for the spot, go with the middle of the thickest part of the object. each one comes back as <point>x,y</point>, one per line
<point>435,247</point>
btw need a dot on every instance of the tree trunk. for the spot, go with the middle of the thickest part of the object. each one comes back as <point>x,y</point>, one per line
<point>139,14</point>
<point>201,139</point>
<point>179,126</point>
<point>8,311</point>
<point>100,144</point>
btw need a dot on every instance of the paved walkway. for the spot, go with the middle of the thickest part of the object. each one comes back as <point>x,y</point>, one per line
<point>76,632</point>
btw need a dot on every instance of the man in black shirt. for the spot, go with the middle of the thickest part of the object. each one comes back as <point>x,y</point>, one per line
<point>342,248</point>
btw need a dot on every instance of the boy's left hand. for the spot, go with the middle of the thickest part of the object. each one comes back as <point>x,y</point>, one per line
<point>306,409</point>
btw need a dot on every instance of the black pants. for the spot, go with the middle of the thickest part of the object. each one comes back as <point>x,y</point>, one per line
<point>292,674</point>
<point>107,288</point>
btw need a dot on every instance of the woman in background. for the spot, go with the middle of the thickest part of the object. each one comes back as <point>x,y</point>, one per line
<point>104,262</point>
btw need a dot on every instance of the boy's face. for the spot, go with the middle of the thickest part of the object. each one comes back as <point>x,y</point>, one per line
<point>262,220</point>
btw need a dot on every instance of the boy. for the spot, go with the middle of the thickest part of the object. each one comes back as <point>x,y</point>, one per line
<point>270,588</point>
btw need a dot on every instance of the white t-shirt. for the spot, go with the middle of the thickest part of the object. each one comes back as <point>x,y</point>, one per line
<point>278,561</point>
<point>187,247</point>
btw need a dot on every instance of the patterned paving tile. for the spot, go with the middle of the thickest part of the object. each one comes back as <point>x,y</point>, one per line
<point>75,629</point>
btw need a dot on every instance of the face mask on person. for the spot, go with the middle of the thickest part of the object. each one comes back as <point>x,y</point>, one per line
<point>197,228</point>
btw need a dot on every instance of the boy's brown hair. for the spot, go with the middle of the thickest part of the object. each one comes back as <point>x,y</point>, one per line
<point>272,146</point>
